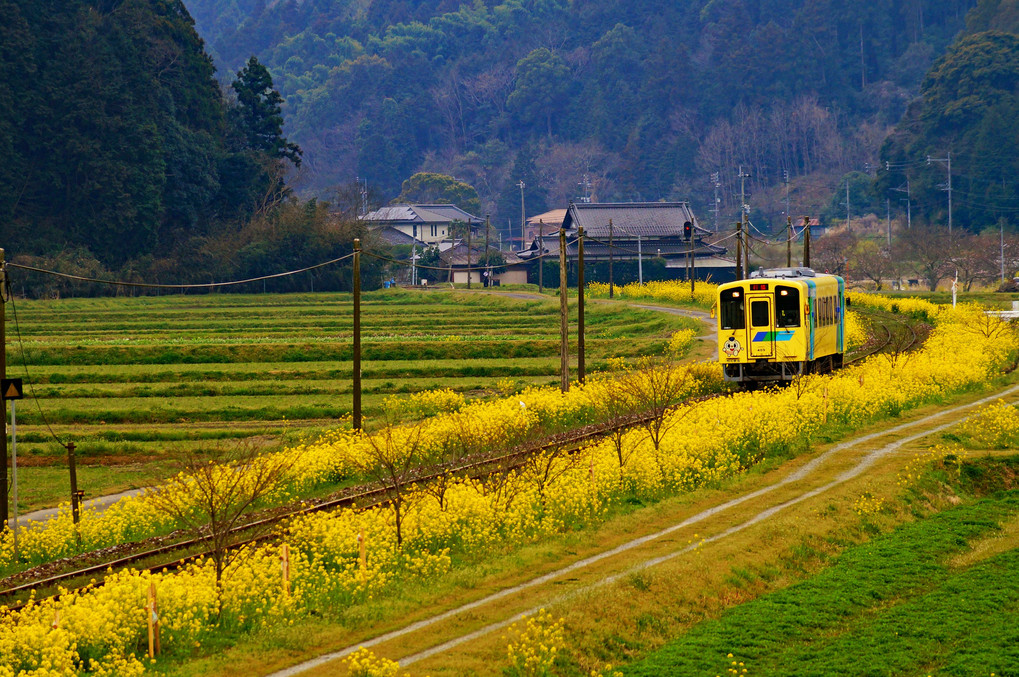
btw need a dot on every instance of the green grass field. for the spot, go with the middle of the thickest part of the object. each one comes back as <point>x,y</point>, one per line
<point>134,381</point>
<point>907,603</point>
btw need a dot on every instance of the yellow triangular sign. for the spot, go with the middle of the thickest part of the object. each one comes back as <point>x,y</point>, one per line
<point>12,393</point>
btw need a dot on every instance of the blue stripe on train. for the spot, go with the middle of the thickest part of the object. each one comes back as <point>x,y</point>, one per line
<point>780,336</point>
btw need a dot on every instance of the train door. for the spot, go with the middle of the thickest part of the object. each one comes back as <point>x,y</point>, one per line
<point>762,330</point>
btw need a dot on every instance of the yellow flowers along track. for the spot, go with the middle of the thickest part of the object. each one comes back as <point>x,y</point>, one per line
<point>102,630</point>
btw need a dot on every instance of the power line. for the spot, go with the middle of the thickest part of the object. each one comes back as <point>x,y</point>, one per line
<point>151,285</point>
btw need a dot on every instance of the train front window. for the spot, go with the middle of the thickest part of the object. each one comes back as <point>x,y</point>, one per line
<point>787,306</point>
<point>759,315</point>
<point>733,313</point>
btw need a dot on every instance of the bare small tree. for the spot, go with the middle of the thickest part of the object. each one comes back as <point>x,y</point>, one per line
<point>615,407</point>
<point>929,251</point>
<point>872,261</point>
<point>211,494</point>
<point>546,467</point>
<point>654,386</point>
<point>392,455</point>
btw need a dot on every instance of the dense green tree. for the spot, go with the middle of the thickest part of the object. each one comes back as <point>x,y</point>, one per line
<point>541,89</point>
<point>429,187</point>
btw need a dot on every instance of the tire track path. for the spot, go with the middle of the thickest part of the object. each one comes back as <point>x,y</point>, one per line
<point>927,425</point>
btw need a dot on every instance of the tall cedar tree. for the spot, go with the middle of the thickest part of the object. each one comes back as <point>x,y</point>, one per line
<point>259,113</point>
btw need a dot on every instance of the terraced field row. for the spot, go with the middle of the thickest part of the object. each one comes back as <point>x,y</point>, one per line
<point>136,381</point>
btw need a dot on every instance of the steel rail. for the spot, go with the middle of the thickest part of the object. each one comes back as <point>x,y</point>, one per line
<point>567,442</point>
<point>379,495</point>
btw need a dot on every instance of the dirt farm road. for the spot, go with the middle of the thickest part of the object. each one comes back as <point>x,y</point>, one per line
<point>837,465</point>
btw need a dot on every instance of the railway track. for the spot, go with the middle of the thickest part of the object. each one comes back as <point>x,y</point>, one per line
<point>896,336</point>
<point>152,554</point>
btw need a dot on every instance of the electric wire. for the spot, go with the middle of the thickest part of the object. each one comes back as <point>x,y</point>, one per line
<point>24,363</point>
<point>151,285</point>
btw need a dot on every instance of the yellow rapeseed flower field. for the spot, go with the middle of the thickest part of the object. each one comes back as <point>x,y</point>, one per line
<point>103,630</point>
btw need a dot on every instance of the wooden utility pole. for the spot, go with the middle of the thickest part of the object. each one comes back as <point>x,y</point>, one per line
<point>789,241</point>
<point>541,255</point>
<point>357,334</point>
<point>739,248</point>
<point>3,374</point>
<point>580,304</point>
<point>610,259</point>
<point>72,467</point>
<point>806,242</point>
<point>564,312</point>
<point>469,271</point>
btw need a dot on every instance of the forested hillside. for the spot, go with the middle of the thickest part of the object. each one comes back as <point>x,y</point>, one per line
<point>647,99</point>
<point>116,137</point>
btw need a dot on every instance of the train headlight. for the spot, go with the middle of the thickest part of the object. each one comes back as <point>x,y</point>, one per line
<point>784,293</point>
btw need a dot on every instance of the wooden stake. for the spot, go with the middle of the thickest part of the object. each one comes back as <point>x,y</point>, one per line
<point>285,566</point>
<point>56,620</point>
<point>362,559</point>
<point>153,617</point>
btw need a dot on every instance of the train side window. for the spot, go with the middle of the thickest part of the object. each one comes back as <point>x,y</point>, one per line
<point>733,312</point>
<point>787,306</point>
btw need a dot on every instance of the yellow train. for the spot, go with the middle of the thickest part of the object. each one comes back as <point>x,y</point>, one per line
<point>781,323</point>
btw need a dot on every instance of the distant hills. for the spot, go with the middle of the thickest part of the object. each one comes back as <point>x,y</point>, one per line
<point>646,99</point>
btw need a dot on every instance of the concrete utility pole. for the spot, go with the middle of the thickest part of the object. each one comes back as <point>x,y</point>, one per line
<point>580,305</point>
<point>789,241</point>
<point>785,174</point>
<point>1001,235</point>
<point>745,218</point>
<point>847,205</point>
<point>523,218</point>
<point>611,291</point>
<point>487,282</point>
<point>356,280</point>
<point>947,159</point>
<point>888,219</point>
<point>806,242</point>
<point>640,262</point>
<point>3,374</point>
<point>564,311</point>
<point>718,184</point>
<point>739,248</point>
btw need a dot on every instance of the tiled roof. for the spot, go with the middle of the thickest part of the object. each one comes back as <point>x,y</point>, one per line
<point>647,219</point>
<point>394,236</point>
<point>670,246</point>
<point>425,213</point>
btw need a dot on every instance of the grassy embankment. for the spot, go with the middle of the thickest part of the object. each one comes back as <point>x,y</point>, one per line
<point>135,381</point>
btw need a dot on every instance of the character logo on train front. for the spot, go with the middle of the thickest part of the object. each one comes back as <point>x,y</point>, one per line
<point>731,347</point>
